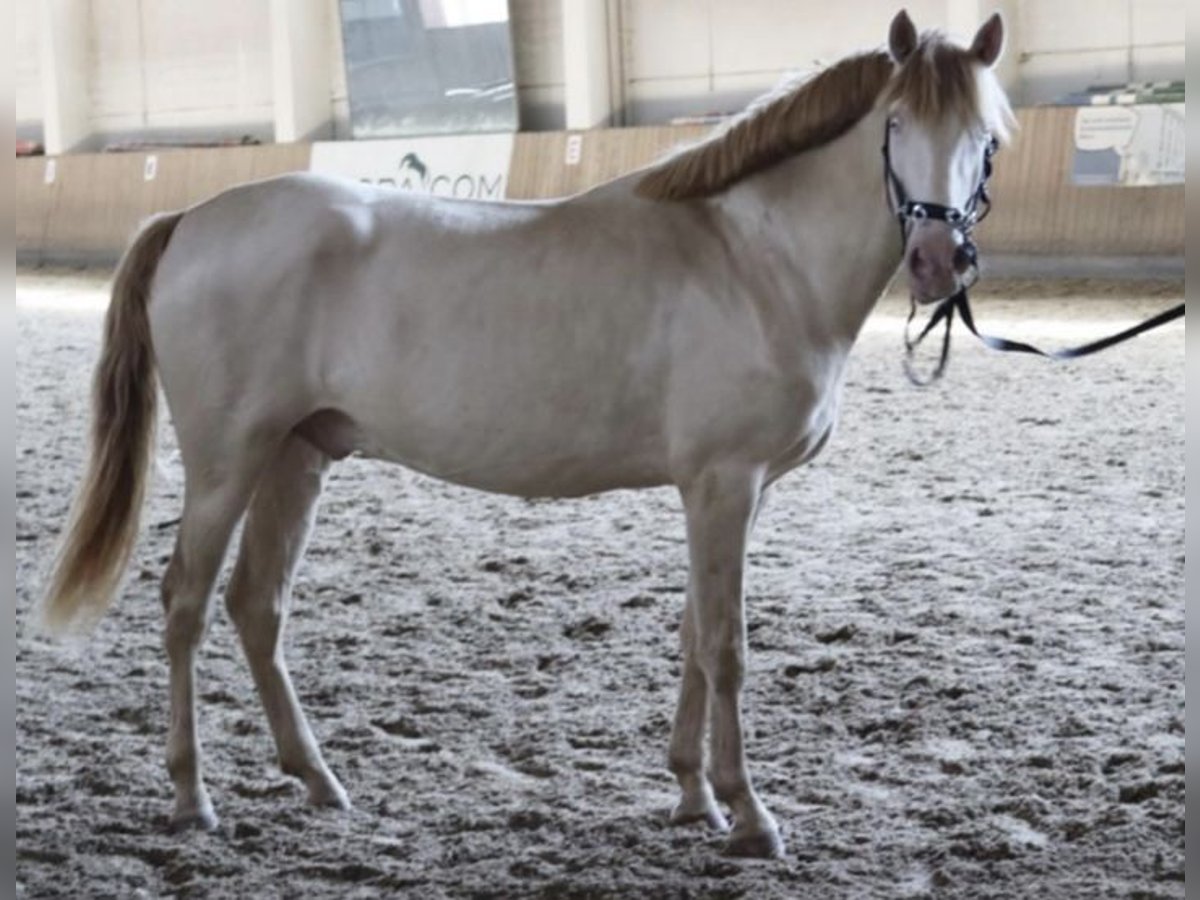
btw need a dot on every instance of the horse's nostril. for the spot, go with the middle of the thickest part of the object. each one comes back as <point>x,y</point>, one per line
<point>918,263</point>
<point>963,259</point>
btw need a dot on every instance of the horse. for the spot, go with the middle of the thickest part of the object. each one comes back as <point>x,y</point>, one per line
<point>687,324</point>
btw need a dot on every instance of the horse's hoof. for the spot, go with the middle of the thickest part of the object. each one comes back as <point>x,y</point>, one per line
<point>200,818</point>
<point>764,844</point>
<point>328,793</point>
<point>690,813</point>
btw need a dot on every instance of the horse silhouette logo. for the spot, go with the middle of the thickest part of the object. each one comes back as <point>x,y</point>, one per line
<point>412,165</point>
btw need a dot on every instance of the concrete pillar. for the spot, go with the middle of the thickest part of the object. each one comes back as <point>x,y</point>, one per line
<point>63,55</point>
<point>586,95</point>
<point>301,69</point>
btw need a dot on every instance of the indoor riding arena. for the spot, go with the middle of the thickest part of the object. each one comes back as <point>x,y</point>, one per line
<point>655,555</point>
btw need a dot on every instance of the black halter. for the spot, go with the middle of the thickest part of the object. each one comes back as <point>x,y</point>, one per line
<point>964,221</point>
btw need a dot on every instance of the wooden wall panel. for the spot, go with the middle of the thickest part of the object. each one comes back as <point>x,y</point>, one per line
<point>96,201</point>
<point>33,200</point>
<point>91,210</point>
<point>1039,212</point>
<point>95,209</point>
<point>539,167</point>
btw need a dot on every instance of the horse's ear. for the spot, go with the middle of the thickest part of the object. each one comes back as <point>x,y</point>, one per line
<point>902,37</point>
<point>989,41</point>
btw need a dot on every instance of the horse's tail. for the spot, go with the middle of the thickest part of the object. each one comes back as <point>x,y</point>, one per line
<point>103,524</point>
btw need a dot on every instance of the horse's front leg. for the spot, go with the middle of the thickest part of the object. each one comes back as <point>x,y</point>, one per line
<point>686,755</point>
<point>720,506</point>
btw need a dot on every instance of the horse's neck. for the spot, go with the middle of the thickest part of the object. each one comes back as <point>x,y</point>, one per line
<point>822,221</point>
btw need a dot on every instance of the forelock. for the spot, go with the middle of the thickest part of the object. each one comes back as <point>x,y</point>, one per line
<point>941,81</point>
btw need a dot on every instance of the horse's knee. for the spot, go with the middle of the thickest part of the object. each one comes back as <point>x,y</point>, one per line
<point>240,597</point>
<point>723,662</point>
<point>170,581</point>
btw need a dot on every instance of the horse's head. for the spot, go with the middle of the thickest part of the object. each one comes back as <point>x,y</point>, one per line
<point>945,108</point>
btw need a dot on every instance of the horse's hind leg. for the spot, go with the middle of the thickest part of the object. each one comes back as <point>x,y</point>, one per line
<point>215,497</point>
<point>280,518</point>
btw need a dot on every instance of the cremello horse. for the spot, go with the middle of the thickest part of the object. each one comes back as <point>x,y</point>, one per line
<point>687,324</point>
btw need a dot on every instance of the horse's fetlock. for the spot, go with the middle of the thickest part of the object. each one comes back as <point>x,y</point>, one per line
<point>683,762</point>
<point>729,787</point>
<point>181,763</point>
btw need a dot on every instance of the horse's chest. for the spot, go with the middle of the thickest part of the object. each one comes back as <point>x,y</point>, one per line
<point>809,436</point>
<point>802,450</point>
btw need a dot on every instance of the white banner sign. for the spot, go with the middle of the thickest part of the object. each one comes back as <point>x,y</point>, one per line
<point>465,166</point>
<point>1129,145</point>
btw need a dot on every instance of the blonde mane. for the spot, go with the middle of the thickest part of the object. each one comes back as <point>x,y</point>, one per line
<point>938,80</point>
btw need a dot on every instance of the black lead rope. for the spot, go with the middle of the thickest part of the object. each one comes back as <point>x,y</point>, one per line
<point>964,221</point>
<point>944,312</point>
<point>959,303</point>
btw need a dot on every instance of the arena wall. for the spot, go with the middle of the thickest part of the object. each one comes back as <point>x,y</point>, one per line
<point>1039,212</point>
<point>88,211</point>
<point>88,206</point>
<point>559,163</point>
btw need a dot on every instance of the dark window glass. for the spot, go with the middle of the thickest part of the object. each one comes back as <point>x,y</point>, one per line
<point>428,66</point>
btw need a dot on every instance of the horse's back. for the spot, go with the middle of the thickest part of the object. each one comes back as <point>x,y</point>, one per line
<point>273,224</point>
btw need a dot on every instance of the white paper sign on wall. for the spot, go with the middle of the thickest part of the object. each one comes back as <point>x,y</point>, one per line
<point>574,149</point>
<point>150,168</point>
<point>1104,127</point>
<point>473,167</point>
<point>1138,145</point>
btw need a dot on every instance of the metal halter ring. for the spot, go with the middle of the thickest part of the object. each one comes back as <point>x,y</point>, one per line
<point>917,211</point>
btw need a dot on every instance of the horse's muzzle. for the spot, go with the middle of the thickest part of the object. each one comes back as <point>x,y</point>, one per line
<point>937,261</point>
